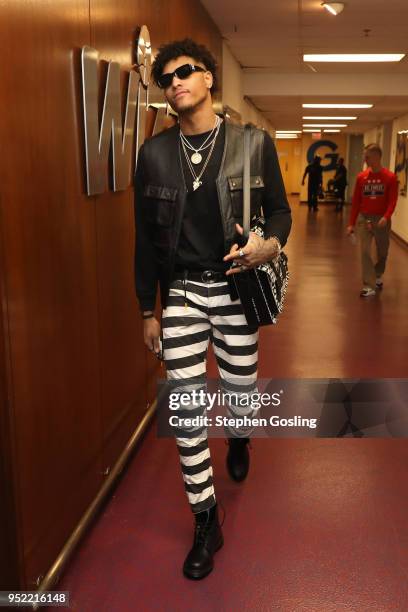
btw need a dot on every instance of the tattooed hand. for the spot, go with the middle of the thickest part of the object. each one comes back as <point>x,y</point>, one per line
<point>256,252</point>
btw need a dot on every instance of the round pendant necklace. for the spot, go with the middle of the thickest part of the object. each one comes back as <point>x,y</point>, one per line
<point>196,158</point>
<point>197,182</point>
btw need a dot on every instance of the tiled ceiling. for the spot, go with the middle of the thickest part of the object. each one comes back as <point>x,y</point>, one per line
<point>270,36</point>
<point>285,112</point>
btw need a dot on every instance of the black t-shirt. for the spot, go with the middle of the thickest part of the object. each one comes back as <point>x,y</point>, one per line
<point>201,243</point>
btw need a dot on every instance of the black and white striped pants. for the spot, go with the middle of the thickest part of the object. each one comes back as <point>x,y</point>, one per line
<point>210,315</point>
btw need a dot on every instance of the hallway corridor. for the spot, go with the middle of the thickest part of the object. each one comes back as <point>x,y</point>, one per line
<point>327,329</point>
<point>320,525</point>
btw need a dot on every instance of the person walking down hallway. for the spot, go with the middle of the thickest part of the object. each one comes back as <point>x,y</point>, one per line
<point>188,203</point>
<point>314,171</point>
<point>340,183</point>
<point>374,200</point>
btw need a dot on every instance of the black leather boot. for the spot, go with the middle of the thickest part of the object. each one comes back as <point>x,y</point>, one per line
<point>208,539</point>
<point>238,458</point>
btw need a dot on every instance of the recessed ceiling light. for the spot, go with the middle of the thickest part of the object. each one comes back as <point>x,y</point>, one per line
<point>331,131</point>
<point>353,57</point>
<point>316,130</point>
<point>331,118</point>
<point>335,8</point>
<point>288,136</point>
<point>334,105</point>
<point>325,125</point>
<point>288,131</point>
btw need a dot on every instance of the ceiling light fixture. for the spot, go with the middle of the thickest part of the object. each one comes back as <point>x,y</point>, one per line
<point>337,105</point>
<point>353,57</point>
<point>314,131</point>
<point>329,118</point>
<point>325,125</point>
<point>287,136</point>
<point>331,131</point>
<point>335,8</point>
<point>288,131</point>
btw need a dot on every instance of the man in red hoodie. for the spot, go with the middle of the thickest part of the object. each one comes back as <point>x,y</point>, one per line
<point>374,200</point>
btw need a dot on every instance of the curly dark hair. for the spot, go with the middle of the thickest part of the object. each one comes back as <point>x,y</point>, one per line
<point>187,46</point>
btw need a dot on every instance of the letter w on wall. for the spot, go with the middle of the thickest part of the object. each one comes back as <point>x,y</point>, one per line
<point>98,141</point>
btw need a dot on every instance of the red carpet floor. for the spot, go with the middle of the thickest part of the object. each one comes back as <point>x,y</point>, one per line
<point>320,525</point>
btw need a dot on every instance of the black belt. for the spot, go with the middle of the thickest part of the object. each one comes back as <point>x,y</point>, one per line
<point>206,276</point>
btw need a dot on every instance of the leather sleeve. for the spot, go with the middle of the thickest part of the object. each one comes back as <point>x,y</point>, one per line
<point>275,205</point>
<point>145,267</point>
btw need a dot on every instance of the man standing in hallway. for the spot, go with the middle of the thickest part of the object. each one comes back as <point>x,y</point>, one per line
<point>314,183</point>
<point>188,203</point>
<point>374,200</point>
<point>340,183</point>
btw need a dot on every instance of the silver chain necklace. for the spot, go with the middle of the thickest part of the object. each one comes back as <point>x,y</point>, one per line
<point>197,182</point>
<point>196,157</point>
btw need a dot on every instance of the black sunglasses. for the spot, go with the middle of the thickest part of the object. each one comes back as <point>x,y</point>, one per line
<point>182,72</point>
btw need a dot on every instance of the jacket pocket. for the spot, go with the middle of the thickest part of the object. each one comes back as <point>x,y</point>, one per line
<point>236,192</point>
<point>160,202</point>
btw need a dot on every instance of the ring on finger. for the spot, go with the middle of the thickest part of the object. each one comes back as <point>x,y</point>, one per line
<point>241,253</point>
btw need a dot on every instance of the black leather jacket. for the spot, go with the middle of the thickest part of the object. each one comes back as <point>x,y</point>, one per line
<point>160,196</point>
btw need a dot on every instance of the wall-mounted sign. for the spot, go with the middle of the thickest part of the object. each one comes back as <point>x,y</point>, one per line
<point>124,136</point>
<point>316,149</point>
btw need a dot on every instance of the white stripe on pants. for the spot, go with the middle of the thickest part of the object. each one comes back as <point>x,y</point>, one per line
<point>210,315</point>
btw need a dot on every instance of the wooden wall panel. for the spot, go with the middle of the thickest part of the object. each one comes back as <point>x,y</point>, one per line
<point>48,229</point>
<point>122,355</point>
<point>10,538</point>
<point>76,385</point>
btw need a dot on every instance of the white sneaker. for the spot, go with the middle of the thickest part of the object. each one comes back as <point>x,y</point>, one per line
<point>367,292</point>
<point>379,282</point>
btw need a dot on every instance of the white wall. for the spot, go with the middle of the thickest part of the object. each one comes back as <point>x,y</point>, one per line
<point>400,216</point>
<point>373,135</point>
<point>232,92</point>
<point>382,135</point>
<point>231,80</point>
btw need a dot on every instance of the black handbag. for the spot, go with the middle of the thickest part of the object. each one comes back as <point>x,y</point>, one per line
<point>262,289</point>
